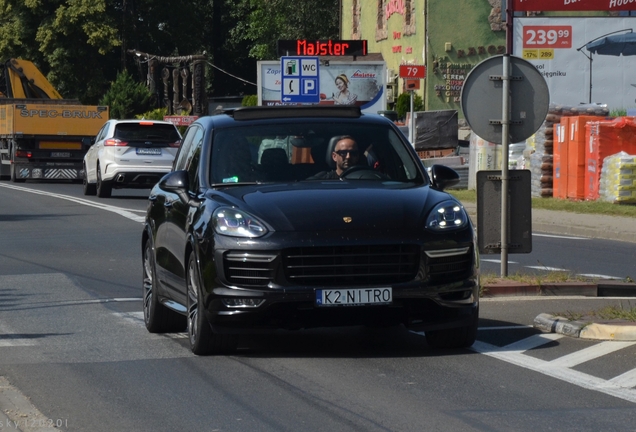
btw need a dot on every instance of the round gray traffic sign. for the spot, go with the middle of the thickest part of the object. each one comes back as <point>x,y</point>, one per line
<point>482,103</point>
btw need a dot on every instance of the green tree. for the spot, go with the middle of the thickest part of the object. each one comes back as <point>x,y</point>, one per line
<point>126,97</point>
<point>267,21</point>
<point>69,41</point>
<point>403,104</point>
<point>81,45</point>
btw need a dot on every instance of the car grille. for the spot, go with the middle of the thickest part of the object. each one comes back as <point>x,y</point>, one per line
<point>351,265</point>
<point>444,266</point>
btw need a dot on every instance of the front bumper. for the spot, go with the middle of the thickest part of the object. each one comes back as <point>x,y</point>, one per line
<point>434,280</point>
<point>415,308</point>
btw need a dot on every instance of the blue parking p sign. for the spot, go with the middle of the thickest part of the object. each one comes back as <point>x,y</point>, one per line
<point>300,79</point>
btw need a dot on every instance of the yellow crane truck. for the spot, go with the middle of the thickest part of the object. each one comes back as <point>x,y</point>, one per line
<point>42,135</point>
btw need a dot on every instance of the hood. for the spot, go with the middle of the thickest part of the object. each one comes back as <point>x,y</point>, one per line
<point>334,205</point>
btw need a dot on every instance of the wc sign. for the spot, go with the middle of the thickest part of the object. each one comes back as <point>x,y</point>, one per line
<point>300,80</point>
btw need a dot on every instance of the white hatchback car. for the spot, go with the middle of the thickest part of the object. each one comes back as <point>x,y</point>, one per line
<point>129,154</point>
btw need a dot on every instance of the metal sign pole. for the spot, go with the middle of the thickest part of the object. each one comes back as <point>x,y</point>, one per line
<point>505,137</point>
<point>412,123</point>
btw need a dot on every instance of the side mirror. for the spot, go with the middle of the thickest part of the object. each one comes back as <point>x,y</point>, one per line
<point>443,177</point>
<point>177,182</point>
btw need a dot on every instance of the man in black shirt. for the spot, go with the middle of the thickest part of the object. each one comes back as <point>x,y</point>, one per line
<point>344,155</point>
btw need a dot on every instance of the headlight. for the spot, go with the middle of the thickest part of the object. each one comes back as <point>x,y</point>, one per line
<point>236,223</point>
<point>447,216</point>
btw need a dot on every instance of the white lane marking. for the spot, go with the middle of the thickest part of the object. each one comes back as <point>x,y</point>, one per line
<point>589,353</point>
<point>545,298</point>
<point>628,379</point>
<point>561,237</point>
<point>533,341</point>
<point>547,268</point>
<point>127,213</point>
<point>498,261</point>
<point>600,276</point>
<point>610,387</point>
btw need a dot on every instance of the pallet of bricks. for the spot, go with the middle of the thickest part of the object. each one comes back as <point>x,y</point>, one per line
<point>611,142</point>
<point>557,161</point>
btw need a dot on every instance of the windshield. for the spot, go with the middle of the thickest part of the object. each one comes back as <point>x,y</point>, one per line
<point>309,151</point>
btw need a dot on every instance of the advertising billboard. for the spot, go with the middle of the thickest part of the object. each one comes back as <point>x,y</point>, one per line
<point>562,50</point>
<point>361,83</point>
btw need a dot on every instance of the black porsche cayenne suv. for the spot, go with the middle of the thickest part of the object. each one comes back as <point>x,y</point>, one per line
<point>255,229</point>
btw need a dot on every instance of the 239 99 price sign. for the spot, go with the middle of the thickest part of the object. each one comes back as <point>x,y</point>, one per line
<point>547,37</point>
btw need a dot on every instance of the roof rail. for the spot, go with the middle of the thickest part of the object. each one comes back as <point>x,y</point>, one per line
<point>288,111</point>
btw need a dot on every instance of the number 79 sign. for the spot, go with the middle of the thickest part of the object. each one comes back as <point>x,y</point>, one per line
<point>410,71</point>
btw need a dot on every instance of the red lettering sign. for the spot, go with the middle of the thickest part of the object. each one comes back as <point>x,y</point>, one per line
<point>412,71</point>
<point>180,120</point>
<point>547,37</point>
<point>321,48</point>
<point>573,5</point>
<point>304,47</point>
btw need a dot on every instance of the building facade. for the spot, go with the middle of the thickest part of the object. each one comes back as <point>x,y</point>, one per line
<point>448,37</point>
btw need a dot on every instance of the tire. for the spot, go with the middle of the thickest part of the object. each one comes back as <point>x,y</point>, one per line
<point>89,188</point>
<point>203,340</point>
<point>104,188</point>
<point>157,317</point>
<point>14,175</point>
<point>460,337</point>
<point>5,171</point>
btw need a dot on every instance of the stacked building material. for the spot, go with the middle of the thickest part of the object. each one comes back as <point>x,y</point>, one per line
<point>603,139</point>
<point>618,179</point>
<point>557,162</point>
<point>541,160</point>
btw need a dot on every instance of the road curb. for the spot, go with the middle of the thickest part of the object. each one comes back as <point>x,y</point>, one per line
<point>622,331</point>
<point>507,288</point>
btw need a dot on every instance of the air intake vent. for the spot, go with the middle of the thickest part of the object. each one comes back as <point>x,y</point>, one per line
<point>446,266</point>
<point>255,269</point>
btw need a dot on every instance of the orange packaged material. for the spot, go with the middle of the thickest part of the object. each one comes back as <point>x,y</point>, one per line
<point>576,155</point>
<point>560,158</point>
<point>605,138</point>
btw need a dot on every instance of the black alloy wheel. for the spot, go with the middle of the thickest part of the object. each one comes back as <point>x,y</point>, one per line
<point>157,317</point>
<point>203,340</point>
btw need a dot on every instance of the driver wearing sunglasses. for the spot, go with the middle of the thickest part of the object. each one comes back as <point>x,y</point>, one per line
<point>345,155</point>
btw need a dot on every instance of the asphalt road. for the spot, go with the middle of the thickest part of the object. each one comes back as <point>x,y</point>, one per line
<point>74,350</point>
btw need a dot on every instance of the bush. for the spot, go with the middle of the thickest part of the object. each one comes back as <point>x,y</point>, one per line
<point>403,104</point>
<point>155,114</point>
<point>126,98</point>
<point>250,100</point>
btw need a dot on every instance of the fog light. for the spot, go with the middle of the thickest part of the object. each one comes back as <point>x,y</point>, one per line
<point>242,302</point>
